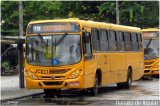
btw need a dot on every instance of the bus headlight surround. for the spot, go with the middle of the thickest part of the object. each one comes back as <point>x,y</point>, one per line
<point>30,75</point>
<point>75,74</point>
<point>156,66</point>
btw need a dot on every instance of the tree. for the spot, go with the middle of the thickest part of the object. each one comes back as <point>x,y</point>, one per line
<point>133,13</point>
<point>9,14</point>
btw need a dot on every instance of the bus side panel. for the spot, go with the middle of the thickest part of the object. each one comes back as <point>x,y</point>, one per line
<point>89,73</point>
<point>141,56</point>
<point>118,67</point>
<point>121,64</point>
<point>103,63</point>
<point>114,67</point>
<point>133,61</point>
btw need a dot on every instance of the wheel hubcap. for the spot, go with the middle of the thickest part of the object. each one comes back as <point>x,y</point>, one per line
<point>129,80</point>
<point>96,86</point>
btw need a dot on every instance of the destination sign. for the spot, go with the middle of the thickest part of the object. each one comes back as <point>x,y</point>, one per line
<point>151,34</point>
<point>53,27</point>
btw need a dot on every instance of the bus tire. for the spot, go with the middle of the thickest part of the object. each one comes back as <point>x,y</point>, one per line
<point>52,92</point>
<point>128,83</point>
<point>47,92</point>
<point>120,85</point>
<point>129,79</point>
<point>156,76</point>
<point>94,90</point>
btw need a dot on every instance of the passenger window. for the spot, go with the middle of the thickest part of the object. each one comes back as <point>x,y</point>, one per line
<point>128,43</point>
<point>103,40</point>
<point>87,46</point>
<point>120,36</point>
<point>134,42</point>
<point>112,41</point>
<point>140,41</point>
<point>95,39</point>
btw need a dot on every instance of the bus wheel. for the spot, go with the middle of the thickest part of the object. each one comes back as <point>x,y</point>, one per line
<point>52,92</point>
<point>129,79</point>
<point>120,85</point>
<point>156,76</point>
<point>94,90</point>
<point>48,92</point>
<point>128,83</point>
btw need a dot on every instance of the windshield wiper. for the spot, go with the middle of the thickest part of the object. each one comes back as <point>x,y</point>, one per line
<point>42,40</point>
<point>60,40</point>
<point>56,43</point>
<point>148,43</point>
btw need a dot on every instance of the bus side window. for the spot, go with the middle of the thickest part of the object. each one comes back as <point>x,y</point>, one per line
<point>87,46</point>
<point>120,37</point>
<point>140,41</point>
<point>134,42</point>
<point>95,39</point>
<point>128,43</point>
<point>113,41</point>
<point>103,40</point>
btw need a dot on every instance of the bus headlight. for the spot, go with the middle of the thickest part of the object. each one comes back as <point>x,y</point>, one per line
<point>30,75</point>
<point>75,74</point>
<point>156,66</point>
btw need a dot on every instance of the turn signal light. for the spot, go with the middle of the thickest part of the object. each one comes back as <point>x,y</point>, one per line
<point>30,75</point>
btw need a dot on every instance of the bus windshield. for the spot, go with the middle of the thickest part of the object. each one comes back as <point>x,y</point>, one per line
<point>53,50</point>
<point>151,48</point>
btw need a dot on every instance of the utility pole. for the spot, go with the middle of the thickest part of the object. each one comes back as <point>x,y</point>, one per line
<point>117,12</point>
<point>20,47</point>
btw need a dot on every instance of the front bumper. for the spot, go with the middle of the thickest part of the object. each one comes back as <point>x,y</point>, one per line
<point>54,84</point>
<point>154,71</point>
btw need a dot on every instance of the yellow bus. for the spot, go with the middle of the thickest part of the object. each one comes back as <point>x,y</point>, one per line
<point>151,51</point>
<point>81,54</point>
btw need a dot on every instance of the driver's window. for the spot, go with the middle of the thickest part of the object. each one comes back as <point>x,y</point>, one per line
<point>87,46</point>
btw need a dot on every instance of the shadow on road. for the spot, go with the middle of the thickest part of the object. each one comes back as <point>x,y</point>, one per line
<point>72,97</point>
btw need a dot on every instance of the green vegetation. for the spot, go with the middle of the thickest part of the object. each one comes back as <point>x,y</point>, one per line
<point>134,13</point>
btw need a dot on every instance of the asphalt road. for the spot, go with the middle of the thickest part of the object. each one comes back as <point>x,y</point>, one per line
<point>142,93</point>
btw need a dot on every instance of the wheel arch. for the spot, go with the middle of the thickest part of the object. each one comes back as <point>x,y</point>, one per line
<point>130,67</point>
<point>99,73</point>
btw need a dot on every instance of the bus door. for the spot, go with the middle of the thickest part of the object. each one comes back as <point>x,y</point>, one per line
<point>88,61</point>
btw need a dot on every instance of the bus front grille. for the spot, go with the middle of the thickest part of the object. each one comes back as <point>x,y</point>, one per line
<point>146,71</point>
<point>59,71</point>
<point>52,78</point>
<point>52,83</point>
<point>148,66</point>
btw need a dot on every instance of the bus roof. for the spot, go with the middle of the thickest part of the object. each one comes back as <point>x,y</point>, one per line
<point>111,26</point>
<point>93,24</point>
<point>150,29</point>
